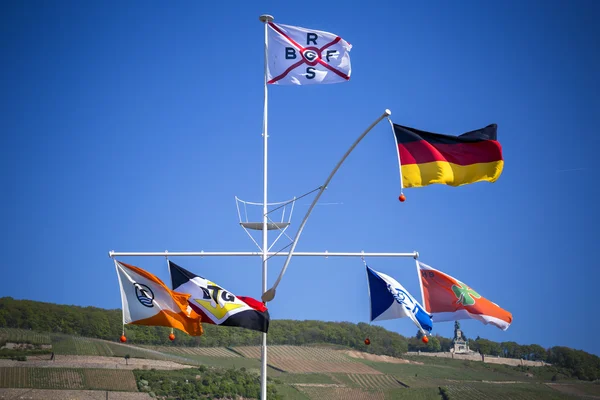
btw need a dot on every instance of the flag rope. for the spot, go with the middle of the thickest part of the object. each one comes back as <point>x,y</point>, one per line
<point>397,152</point>
<point>421,285</point>
<point>362,257</point>
<point>122,308</point>
<point>293,200</point>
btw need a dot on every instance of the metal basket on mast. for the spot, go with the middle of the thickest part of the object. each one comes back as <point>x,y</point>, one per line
<point>252,221</point>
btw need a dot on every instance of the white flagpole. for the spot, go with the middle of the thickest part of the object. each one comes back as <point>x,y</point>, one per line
<point>170,278</point>
<point>420,283</point>
<point>265,19</point>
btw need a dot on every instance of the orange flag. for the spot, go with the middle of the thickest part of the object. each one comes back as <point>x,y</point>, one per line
<point>449,299</point>
<point>148,301</point>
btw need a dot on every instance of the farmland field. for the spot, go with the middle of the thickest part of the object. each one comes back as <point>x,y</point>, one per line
<point>67,378</point>
<point>55,378</point>
<point>58,394</point>
<point>63,344</point>
<point>484,371</point>
<point>81,346</point>
<point>197,351</point>
<point>290,392</point>
<point>14,377</point>
<point>516,391</point>
<point>341,393</point>
<point>428,393</point>
<point>87,347</point>
<point>307,378</point>
<point>375,381</point>
<point>109,380</point>
<point>296,353</point>
<point>226,362</point>
<point>299,372</point>
<point>577,388</point>
<point>120,350</point>
<point>296,359</point>
<point>23,336</point>
<point>306,366</point>
<point>415,375</point>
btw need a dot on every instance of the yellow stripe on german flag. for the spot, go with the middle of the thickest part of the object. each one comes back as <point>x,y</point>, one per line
<point>427,158</point>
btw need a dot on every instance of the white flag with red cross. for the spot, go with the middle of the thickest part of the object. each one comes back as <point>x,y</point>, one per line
<point>301,56</point>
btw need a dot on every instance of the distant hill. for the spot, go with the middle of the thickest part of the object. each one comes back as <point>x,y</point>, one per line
<point>56,365</point>
<point>100,323</point>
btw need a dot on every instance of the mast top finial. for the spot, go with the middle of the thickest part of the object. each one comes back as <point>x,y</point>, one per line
<point>266,18</point>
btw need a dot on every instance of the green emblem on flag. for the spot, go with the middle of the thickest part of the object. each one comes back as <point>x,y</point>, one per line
<point>465,295</point>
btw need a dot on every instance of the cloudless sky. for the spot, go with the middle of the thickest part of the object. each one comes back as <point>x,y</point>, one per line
<point>132,126</point>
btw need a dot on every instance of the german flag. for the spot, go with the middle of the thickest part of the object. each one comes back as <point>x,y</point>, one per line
<point>427,158</point>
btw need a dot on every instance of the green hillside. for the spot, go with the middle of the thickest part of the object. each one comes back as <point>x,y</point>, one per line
<point>106,324</point>
<point>64,323</point>
<point>308,372</point>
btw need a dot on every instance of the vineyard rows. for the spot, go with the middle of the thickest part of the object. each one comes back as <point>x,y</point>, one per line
<point>65,345</point>
<point>198,351</point>
<point>107,379</point>
<point>120,350</point>
<point>375,381</point>
<point>307,366</point>
<point>464,392</point>
<point>23,336</point>
<point>328,393</point>
<point>14,377</point>
<point>86,347</point>
<point>67,378</point>
<point>296,353</point>
<point>80,346</point>
<point>55,378</point>
<point>493,392</point>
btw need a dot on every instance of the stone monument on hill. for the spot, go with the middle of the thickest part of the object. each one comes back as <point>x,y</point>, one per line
<point>460,345</point>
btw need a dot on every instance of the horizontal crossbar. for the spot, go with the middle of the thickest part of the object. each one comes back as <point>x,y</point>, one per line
<point>255,254</point>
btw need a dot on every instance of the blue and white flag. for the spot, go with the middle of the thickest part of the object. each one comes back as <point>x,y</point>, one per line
<point>389,300</point>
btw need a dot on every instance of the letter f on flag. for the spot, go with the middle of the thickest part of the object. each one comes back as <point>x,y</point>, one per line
<point>300,56</point>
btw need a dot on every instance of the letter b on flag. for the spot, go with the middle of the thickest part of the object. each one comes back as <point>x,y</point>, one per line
<point>290,53</point>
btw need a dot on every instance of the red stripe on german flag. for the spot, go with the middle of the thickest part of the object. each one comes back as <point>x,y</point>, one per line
<point>427,158</point>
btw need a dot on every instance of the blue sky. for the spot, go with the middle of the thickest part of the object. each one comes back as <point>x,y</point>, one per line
<point>131,127</point>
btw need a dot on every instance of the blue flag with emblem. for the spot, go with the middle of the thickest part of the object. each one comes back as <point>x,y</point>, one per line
<point>390,300</point>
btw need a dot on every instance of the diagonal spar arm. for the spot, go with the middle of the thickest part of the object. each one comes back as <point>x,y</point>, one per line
<point>270,294</point>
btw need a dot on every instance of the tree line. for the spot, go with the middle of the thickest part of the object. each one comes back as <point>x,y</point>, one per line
<point>570,362</point>
<point>107,324</point>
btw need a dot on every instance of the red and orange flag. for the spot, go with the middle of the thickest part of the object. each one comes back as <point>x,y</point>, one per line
<point>449,299</point>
